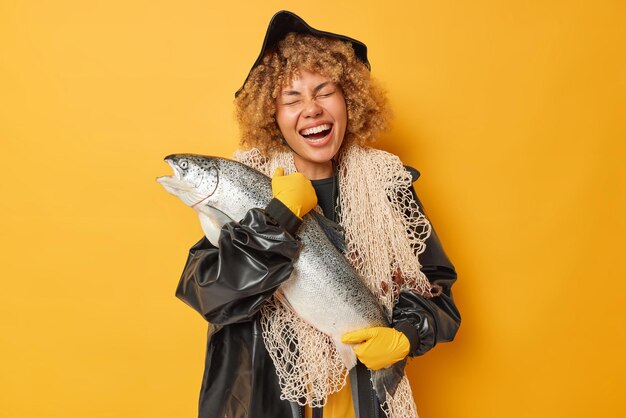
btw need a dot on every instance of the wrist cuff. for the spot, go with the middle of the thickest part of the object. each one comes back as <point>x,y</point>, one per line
<point>410,332</point>
<point>285,217</point>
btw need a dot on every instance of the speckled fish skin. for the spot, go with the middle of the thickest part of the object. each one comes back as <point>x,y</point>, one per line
<point>324,289</point>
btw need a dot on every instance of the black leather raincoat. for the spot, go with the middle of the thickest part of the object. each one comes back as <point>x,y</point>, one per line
<point>228,285</point>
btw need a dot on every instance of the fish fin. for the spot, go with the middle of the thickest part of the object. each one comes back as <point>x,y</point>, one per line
<point>332,230</point>
<point>346,353</point>
<point>280,296</point>
<point>212,221</point>
<point>386,381</point>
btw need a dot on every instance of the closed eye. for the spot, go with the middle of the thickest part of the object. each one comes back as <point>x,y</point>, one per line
<point>326,94</point>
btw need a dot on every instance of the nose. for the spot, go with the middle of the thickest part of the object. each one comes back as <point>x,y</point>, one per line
<point>312,109</point>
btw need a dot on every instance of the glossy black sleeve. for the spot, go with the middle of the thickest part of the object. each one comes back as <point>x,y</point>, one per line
<point>229,284</point>
<point>428,321</point>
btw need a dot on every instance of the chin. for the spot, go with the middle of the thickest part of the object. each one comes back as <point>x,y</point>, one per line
<point>322,157</point>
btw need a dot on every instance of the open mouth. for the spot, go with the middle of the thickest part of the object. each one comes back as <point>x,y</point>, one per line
<point>175,170</point>
<point>174,182</point>
<point>316,133</point>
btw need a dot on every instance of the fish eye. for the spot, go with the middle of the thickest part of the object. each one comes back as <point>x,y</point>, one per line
<point>183,164</point>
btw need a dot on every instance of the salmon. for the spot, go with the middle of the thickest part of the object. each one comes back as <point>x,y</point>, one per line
<point>324,289</point>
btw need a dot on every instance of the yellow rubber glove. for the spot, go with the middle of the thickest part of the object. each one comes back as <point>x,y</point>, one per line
<point>378,347</point>
<point>295,191</point>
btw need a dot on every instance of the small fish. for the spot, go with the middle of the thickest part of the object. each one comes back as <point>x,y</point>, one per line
<point>324,289</point>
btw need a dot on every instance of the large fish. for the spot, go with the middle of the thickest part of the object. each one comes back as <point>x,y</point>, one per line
<point>324,289</point>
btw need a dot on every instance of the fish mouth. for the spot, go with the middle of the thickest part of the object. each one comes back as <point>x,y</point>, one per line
<point>175,169</point>
<point>174,181</point>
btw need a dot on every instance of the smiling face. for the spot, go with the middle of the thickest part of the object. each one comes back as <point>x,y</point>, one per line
<point>311,114</point>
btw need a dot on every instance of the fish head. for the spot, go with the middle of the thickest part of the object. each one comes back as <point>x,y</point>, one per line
<point>221,184</point>
<point>195,178</point>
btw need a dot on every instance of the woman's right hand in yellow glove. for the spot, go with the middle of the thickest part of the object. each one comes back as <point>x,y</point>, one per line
<point>295,191</point>
<point>378,347</point>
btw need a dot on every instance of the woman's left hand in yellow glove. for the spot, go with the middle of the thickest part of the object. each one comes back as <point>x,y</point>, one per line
<point>378,347</point>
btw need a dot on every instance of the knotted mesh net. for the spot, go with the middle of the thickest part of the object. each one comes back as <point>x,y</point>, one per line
<point>306,375</point>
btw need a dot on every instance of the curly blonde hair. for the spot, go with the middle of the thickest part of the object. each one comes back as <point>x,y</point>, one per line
<point>255,107</point>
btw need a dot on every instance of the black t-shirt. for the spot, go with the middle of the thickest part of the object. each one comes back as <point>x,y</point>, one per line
<point>326,190</point>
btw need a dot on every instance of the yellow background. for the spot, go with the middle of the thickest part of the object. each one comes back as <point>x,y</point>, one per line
<point>514,112</point>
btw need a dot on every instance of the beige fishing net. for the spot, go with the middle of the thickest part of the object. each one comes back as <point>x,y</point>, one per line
<point>306,376</point>
<point>401,405</point>
<point>384,230</point>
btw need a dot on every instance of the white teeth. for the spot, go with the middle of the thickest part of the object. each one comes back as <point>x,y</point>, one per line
<point>316,129</point>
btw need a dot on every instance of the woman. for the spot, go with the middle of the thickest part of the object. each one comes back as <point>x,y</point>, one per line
<point>308,108</point>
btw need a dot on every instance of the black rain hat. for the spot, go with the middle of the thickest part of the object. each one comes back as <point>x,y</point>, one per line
<point>285,22</point>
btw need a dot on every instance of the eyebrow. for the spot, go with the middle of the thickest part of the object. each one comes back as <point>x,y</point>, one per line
<point>297,93</point>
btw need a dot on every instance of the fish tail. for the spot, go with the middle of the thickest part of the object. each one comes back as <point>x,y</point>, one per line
<point>386,381</point>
